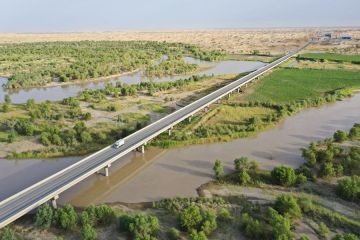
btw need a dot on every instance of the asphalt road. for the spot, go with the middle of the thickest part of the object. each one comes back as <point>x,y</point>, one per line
<point>30,198</point>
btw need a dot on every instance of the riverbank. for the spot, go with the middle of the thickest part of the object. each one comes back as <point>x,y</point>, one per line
<point>243,204</point>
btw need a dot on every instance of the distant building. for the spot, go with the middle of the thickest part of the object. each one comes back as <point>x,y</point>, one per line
<point>327,35</point>
<point>345,37</point>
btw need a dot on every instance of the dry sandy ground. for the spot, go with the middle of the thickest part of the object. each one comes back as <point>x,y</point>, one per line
<point>274,41</point>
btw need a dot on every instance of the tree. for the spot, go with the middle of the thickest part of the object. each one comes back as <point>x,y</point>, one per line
<point>349,188</point>
<point>323,229</point>
<point>283,175</point>
<point>105,215</point>
<point>218,169</point>
<point>244,177</point>
<point>194,235</point>
<point>85,137</point>
<point>209,221</point>
<point>7,99</point>
<point>87,116</point>
<point>327,170</point>
<point>281,225</point>
<point>11,137</point>
<point>66,217</point>
<point>44,138</point>
<point>340,136</point>
<point>354,132</point>
<point>141,226</point>
<point>310,155</point>
<point>7,234</point>
<point>190,218</point>
<point>174,234</point>
<point>287,204</point>
<point>5,107</point>
<point>44,216</point>
<point>348,236</point>
<point>252,228</point>
<point>242,163</point>
<point>88,233</point>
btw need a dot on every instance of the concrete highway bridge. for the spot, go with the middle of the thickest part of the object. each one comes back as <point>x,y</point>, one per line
<point>49,189</point>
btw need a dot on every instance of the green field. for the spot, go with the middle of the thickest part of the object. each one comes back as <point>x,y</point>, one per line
<point>331,57</point>
<point>289,85</point>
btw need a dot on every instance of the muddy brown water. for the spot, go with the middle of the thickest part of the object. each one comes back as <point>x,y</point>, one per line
<point>178,172</point>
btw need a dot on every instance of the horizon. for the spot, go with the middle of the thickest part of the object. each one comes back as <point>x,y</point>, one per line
<point>41,16</point>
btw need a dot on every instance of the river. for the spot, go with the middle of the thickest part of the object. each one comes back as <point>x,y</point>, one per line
<point>178,172</point>
<point>57,93</point>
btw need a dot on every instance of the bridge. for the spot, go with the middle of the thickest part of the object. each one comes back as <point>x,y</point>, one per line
<point>49,188</point>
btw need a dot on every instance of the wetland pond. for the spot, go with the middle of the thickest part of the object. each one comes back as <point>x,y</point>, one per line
<point>57,93</point>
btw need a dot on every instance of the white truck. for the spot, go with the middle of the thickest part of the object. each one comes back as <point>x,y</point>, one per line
<point>119,143</point>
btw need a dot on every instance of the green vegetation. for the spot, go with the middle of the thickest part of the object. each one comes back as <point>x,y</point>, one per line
<point>333,157</point>
<point>140,226</point>
<point>218,169</point>
<point>339,58</point>
<point>174,65</point>
<point>37,64</point>
<point>286,86</point>
<point>274,97</point>
<point>284,175</point>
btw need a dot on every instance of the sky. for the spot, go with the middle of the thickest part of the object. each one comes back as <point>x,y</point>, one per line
<point>121,15</point>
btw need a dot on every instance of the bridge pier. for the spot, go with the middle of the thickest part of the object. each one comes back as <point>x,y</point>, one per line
<point>53,201</point>
<point>189,119</point>
<point>142,149</point>
<point>238,90</point>
<point>169,131</point>
<point>106,170</point>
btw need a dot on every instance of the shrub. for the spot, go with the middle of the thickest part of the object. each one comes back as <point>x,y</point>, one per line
<point>66,217</point>
<point>354,132</point>
<point>7,234</point>
<point>348,236</point>
<point>283,175</point>
<point>242,163</point>
<point>88,233</point>
<point>323,229</point>
<point>349,188</point>
<point>218,169</point>
<point>44,216</point>
<point>140,226</point>
<point>44,138</point>
<point>11,137</point>
<point>224,214</point>
<point>105,214</point>
<point>190,218</point>
<point>327,170</point>
<point>209,221</point>
<point>340,136</point>
<point>194,235</point>
<point>252,228</point>
<point>287,204</point>
<point>281,226</point>
<point>174,234</point>
<point>244,177</point>
<point>301,178</point>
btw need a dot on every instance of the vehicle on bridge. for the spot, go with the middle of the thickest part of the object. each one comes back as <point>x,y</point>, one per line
<point>119,143</point>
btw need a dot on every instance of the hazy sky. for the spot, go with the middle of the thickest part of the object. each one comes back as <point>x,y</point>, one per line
<point>118,15</point>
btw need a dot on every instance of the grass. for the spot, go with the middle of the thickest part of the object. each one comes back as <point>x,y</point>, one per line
<point>226,114</point>
<point>250,57</point>
<point>155,107</point>
<point>289,85</point>
<point>331,57</point>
